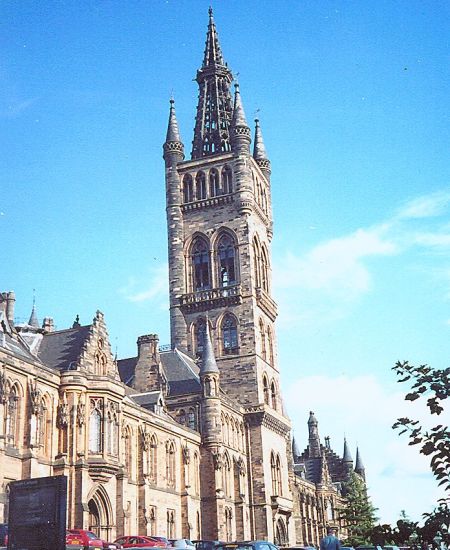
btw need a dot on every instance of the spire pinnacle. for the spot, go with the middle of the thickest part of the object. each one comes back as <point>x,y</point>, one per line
<point>173,143</point>
<point>359,466</point>
<point>240,132</point>
<point>347,456</point>
<point>208,363</point>
<point>215,108</point>
<point>33,320</point>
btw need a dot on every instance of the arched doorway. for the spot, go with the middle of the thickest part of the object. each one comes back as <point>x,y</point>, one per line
<point>101,520</point>
<point>281,533</point>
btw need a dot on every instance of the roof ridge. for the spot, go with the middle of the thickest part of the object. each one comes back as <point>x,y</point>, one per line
<point>182,356</point>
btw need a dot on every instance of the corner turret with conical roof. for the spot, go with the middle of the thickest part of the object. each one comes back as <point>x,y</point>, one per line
<point>173,146</point>
<point>259,150</point>
<point>240,131</point>
<point>210,380</point>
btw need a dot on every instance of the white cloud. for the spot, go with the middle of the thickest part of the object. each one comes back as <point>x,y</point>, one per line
<point>155,287</point>
<point>426,206</point>
<point>363,410</point>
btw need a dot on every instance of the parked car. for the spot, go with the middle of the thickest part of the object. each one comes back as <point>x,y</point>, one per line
<point>183,544</point>
<point>3,534</point>
<point>206,544</point>
<point>87,539</point>
<point>111,545</point>
<point>368,547</point>
<point>163,540</point>
<point>247,545</point>
<point>137,541</point>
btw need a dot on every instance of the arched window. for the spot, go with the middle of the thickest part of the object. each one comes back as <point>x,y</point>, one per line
<point>262,336</point>
<point>214,183</point>
<point>170,524</point>
<point>153,459</point>
<point>200,264</point>
<point>188,188</point>
<point>229,335</point>
<point>95,431</point>
<point>195,464</point>
<point>226,476</point>
<point>128,451</point>
<point>270,346</point>
<point>226,253</point>
<point>199,336</point>
<point>264,269</point>
<point>200,186</point>
<point>191,420</point>
<point>170,464</point>
<point>257,262</point>
<point>278,474</point>
<point>182,417</point>
<point>273,471</point>
<point>266,389</point>
<point>228,524</point>
<point>227,180</point>
<point>273,395</point>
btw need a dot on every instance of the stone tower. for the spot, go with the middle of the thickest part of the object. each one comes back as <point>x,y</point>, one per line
<point>219,220</point>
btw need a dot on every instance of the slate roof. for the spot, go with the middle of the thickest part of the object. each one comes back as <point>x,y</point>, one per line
<point>61,348</point>
<point>180,371</point>
<point>15,345</point>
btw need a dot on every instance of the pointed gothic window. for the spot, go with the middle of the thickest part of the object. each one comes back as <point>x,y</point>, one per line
<point>170,464</point>
<point>153,458</point>
<point>200,265</point>
<point>262,336</point>
<point>273,395</point>
<point>182,417</point>
<point>214,183</point>
<point>226,255</point>
<point>266,389</point>
<point>12,417</point>
<point>273,470</point>
<point>188,188</point>
<point>95,432</point>
<point>227,180</point>
<point>270,346</point>
<point>200,186</point>
<point>264,269</point>
<point>256,263</point>
<point>229,335</point>
<point>278,476</point>
<point>191,419</point>
<point>199,336</point>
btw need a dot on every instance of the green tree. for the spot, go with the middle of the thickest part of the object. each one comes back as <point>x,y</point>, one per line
<point>437,521</point>
<point>405,528</point>
<point>434,384</point>
<point>359,513</point>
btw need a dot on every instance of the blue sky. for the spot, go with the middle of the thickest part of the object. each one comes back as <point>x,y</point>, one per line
<point>353,102</point>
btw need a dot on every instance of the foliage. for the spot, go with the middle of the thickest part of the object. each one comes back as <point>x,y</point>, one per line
<point>435,443</point>
<point>382,535</point>
<point>405,528</point>
<point>359,513</point>
<point>437,521</point>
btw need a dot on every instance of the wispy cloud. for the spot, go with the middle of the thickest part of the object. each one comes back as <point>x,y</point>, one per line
<point>425,206</point>
<point>335,274</point>
<point>14,109</point>
<point>155,288</point>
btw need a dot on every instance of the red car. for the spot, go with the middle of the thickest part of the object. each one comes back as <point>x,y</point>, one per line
<point>139,542</point>
<point>87,539</point>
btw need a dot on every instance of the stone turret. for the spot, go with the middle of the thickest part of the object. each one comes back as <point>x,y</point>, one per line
<point>240,131</point>
<point>10,303</point>
<point>211,407</point>
<point>314,439</point>
<point>174,154</point>
<point>259,151</point>
<point>347,459</point>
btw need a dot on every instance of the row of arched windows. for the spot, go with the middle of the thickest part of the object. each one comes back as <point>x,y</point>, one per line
<point>261,265</point>
<point>228,334</point>
<point>207,185</point>
<point>232,432</point>
<point>223,257</point>
<point>270,393</point>
<point>13,428</point>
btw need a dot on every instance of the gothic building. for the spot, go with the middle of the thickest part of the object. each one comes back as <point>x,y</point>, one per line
<point>192,441</point>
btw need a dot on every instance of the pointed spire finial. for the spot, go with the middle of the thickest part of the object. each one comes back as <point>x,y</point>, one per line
<point>208,362</point>
<point>33,320</point>
<point>347,456</point>
<point>359,466</point>
<point>173,143</point>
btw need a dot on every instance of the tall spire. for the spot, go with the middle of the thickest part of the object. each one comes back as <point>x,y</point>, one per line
<point>259,150</point>
<point>173,143</point>
<point>215,108</point>
<point>359,466</point>
<point>295,451</point>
